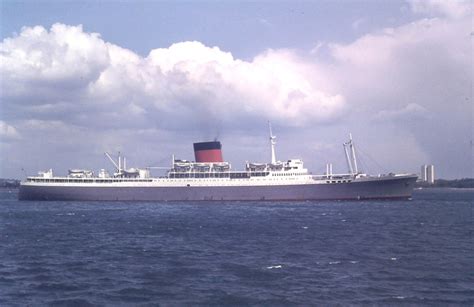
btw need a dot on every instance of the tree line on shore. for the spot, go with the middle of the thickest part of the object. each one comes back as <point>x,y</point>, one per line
<point>464,183</point>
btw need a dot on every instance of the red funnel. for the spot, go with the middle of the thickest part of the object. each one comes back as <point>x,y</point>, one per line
<point>208,152</point>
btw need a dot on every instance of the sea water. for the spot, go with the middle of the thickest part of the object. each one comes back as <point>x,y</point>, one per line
<point>238,253</point>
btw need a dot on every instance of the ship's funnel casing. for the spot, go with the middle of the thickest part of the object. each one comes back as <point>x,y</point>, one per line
<point>208,152</point>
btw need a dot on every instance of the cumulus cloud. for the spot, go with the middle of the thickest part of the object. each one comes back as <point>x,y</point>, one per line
<point>427,62</point>
<point>71,75</point>
<point>64,57</point>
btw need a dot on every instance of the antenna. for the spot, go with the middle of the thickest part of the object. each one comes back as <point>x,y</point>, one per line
<point>272,142</point>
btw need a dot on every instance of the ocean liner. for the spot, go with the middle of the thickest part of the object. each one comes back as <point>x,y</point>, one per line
<point>210,178</point>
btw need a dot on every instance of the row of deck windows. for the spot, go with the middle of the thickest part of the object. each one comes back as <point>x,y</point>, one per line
<point>236,175</point>
<point>66,180</point>
<point>287,174</point>
<point>337,181</point>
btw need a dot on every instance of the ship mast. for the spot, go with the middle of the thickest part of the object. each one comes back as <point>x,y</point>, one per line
<point>354,160</point>
<point>351,156</point>
<point>272,143</point>
<point>348,159</point>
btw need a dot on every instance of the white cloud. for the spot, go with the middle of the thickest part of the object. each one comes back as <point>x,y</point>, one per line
<point>450,8</point>
<point>8,132</point>
<point>425,62</point>
<point>264,22</point>
<point>356,24</point>
<point>64,56</point>
<point>76,77</point>
<point>411,111</point>
<point>316,49</point>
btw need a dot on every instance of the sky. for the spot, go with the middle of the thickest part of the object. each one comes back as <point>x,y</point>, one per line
<point>149,78</point>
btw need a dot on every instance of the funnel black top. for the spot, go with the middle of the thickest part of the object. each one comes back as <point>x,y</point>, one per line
<point>207,145</point>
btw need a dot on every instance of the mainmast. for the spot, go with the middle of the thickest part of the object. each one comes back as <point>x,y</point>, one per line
<point>272,143</point>
<point>354,160</point>
<point>349,150</point>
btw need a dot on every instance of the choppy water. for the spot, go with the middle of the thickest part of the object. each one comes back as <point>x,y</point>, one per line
<point>238,253</point>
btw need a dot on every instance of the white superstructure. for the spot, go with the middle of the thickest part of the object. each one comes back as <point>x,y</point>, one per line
<point>184,172</point>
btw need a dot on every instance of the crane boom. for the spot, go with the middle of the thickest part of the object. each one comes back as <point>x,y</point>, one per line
<point>112,160</point>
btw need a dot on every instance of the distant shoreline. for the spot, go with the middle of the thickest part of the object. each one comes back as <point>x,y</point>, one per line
<point>441,188</point>
<point>464,183</point>
<point>9,183</point>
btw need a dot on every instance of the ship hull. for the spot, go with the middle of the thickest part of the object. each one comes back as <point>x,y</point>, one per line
<point>385,188</point>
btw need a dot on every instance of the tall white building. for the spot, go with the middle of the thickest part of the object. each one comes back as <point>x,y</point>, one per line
<point>427,173</point>
<point>430,174</point>
<point>424,173</point>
